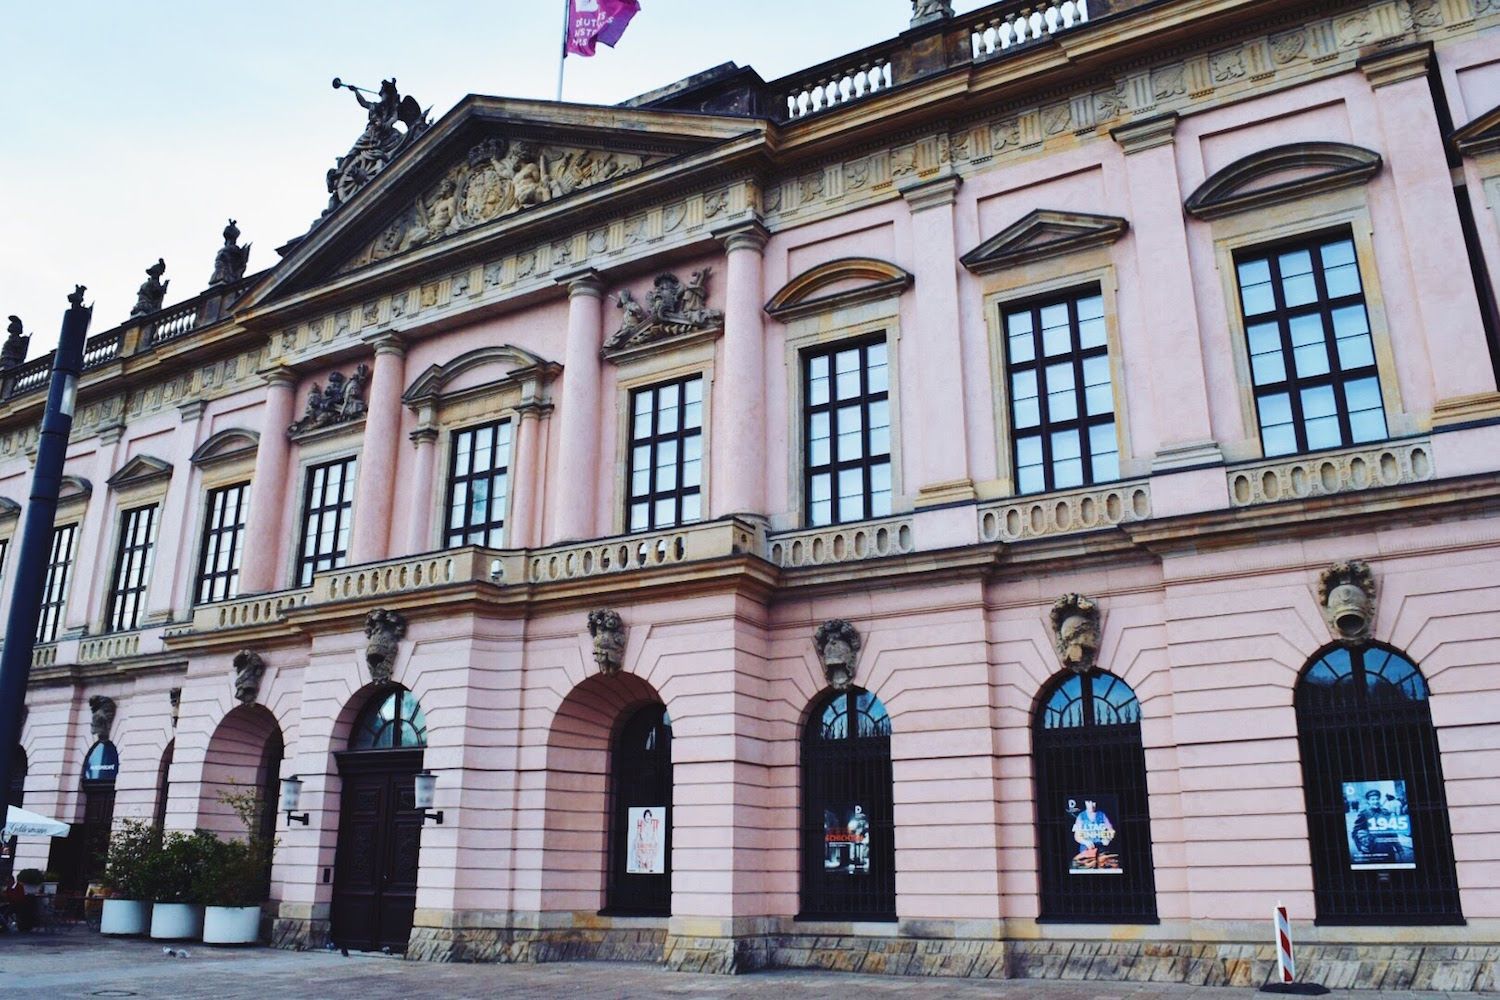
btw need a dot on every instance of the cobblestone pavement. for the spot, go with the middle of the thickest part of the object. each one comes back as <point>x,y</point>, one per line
<point>78,964</point>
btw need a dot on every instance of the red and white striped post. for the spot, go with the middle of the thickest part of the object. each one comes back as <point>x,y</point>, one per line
<point>1286,965</point>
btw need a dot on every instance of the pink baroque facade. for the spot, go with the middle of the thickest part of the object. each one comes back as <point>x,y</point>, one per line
<point>1017,500</point>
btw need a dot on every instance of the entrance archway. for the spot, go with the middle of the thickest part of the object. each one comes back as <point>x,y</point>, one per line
<point>380,828</point>
<point>244,755</point>
<point>640,853</point>
<point>101,767</point>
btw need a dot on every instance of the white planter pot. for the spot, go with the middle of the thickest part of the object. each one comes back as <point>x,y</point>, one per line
<point>49,888</point>
<point>125,916</point>
<point>231,925</point>
<point>176,921</point>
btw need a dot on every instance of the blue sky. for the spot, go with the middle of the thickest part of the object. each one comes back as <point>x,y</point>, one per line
<point>133,130</point>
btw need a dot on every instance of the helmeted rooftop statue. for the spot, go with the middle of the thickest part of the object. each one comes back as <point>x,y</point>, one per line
<point>378,144</point>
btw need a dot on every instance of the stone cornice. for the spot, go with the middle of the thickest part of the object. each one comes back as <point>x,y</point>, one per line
<point>1139,136</point>
<point>1409,62</point>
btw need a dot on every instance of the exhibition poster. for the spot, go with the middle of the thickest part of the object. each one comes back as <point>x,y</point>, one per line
<point>1094,837</point>
<point>1379,826</point>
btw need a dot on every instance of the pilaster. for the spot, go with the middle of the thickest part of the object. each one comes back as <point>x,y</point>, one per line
<point>577,467</point>
<point>739,409</point>
<point>375,489</point>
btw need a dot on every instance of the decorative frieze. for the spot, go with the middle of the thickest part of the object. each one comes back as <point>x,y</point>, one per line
<point>1350,471</point>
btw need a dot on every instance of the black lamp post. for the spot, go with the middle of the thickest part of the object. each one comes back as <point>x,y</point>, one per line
<point>36,537</point>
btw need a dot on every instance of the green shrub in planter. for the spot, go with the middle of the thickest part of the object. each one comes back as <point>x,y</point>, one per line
<point>30,876</point>
<point>233,874</point>
<point>174,874</point>
<point>130,864</point>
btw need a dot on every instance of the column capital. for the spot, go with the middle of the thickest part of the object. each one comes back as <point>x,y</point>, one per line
<point>387,342</point>
<point>192,410</point>
<point>747,234</point>
<point>423,435</point>
<point>280,377</point>
<point>111,434</point>
<point>924,194</point>
<point>534,409</point>
<point>1148,133</point>
<point>583,281</point>
<point>1408,62</point>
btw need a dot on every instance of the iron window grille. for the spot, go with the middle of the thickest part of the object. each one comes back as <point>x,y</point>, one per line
<point>1086,747</point>
<point>1062,405</point>
<point>223,543</point>
<point>391,722</point>
<point>848,826</point>
<point>1312,360</point>
<point>55,586</point>
<point>127,591</point>
<point>847,427</point>
<point>666,455</point>
<point>326,507</point>
<point>1364,725</point>
<point>478,485</point>
<point>641,780</point>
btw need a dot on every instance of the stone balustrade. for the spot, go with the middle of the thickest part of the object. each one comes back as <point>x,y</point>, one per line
<point>1090,509</point>
<point>422,572</point>
<point>1002,32</point>
<point>688,544</point>
<point>44,656</point>
<point>1390,463</point>
<point>258,610</point>
<point>864,76</point>
<point>841,543</point>
<point>103,648</point>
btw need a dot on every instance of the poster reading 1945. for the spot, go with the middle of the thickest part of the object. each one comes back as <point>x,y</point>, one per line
<point>846,840</point>
<point>1379,825</point>
<point>646,843</point>
<point>1096,840</point>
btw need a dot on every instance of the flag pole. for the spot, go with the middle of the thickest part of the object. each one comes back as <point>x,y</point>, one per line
<point>562,58</point>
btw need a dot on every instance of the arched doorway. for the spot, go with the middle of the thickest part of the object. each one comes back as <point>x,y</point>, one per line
<point>380,829</point>
<point>101,767</point>
<point>640,867</point>
<point>163,786</point>
<point>1093,821</point>
<point>18,766</point>
<point>244,755</point>
<point>848,826</point>
<point>1377,814</point>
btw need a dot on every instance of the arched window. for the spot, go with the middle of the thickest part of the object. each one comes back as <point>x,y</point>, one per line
<point>390,723</point>
<point>1377,816</point>
<point>1093,819</point>
<point>848,848</point>
<point>640,868</point>
<point>101,766</point>
<point>163,770</point>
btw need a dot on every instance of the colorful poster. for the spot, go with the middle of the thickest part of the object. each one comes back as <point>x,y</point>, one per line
<point>646,841</point>
<point>846,840</point>
<point>1378,825</point>
<point>1092,832</point>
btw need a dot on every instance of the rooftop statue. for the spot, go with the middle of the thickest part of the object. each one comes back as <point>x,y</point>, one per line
<point>927,11</point>
<point>230,261</point>
<point>16,343</point>
<point>153,290</point>
<point>379,143</point>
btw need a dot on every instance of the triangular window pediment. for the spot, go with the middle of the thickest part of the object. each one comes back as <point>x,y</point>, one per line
<point>1281,174</point>
<point>9,509</point>
<point>1482,135</point>
<point>139,470</point>
<point>1043,233</point>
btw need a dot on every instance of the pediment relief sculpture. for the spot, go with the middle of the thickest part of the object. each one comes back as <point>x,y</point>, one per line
<point>1280,174</point>
<point>1043,233</point>
<point>1346,598</point>
<point>340,401</point>
<point>671,309</point>
<point>140,470</point>
<point>498,177</point>
<point>380,142</point>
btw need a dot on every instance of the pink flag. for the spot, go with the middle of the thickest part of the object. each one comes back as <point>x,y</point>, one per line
<point>594,21</point>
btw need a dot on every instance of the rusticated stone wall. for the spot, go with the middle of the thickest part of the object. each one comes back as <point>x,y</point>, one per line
<point>299,933</point>
<point>508,945</point>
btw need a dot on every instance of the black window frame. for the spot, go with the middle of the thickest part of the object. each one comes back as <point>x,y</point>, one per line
<point>131,579</point>
<point>499,469</point>
<point>217,533</point>
<point>340,510</point>
<point>653,441</point>
<point>1082,422</point>
<point>1291,384</point>
<point>866,463</point>
<point>1081,745</point>
<point>55,584</point>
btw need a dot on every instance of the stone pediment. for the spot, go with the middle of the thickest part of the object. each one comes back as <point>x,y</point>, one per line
<point>140,470</point>
<point>228,445</point>
<point>1281,174</point>
<point>1041,234</point>
<point>492,168</point>
<point>1482,135</point>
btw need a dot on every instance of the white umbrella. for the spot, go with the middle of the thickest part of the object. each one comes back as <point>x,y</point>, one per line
<point>21,823</point>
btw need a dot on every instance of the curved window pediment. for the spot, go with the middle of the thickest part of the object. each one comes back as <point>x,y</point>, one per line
<point>837,284</point>
<point>227,445</point>
<point>1282,173</point>
<point>484,367</point>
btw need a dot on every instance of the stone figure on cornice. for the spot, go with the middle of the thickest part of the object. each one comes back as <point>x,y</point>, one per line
<point>13,353</point>
<point>671,309</point>
<point>923,11</point>
<point>230,261</point>
<point>498,177</point>
<point>149,297</point>
<point>341,401</point>
<point>101,716</point>
<point>378,144</point>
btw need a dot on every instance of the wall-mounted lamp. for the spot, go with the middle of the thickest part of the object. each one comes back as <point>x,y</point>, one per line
<point>426,784</point>
<point>291,797</point>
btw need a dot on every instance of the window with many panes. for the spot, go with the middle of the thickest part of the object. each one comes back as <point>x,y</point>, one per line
<point>327,501</point>
<point>1312,362</point>
<point>478,486</point>
<point>127,591</point>
<point>847,427</point>
<point>55,587</point>
<point>666,455</point>
<point>223,543</point>
<point>1062,401</point>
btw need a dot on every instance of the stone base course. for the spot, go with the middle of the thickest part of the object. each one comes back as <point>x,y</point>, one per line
<point>510,945</point>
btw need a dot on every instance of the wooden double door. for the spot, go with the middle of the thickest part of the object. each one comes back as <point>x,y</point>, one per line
<point>380,839</point>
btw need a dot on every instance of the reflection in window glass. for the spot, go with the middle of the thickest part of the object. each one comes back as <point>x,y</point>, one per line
<point>666,454</point>
<point>847,422</point>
